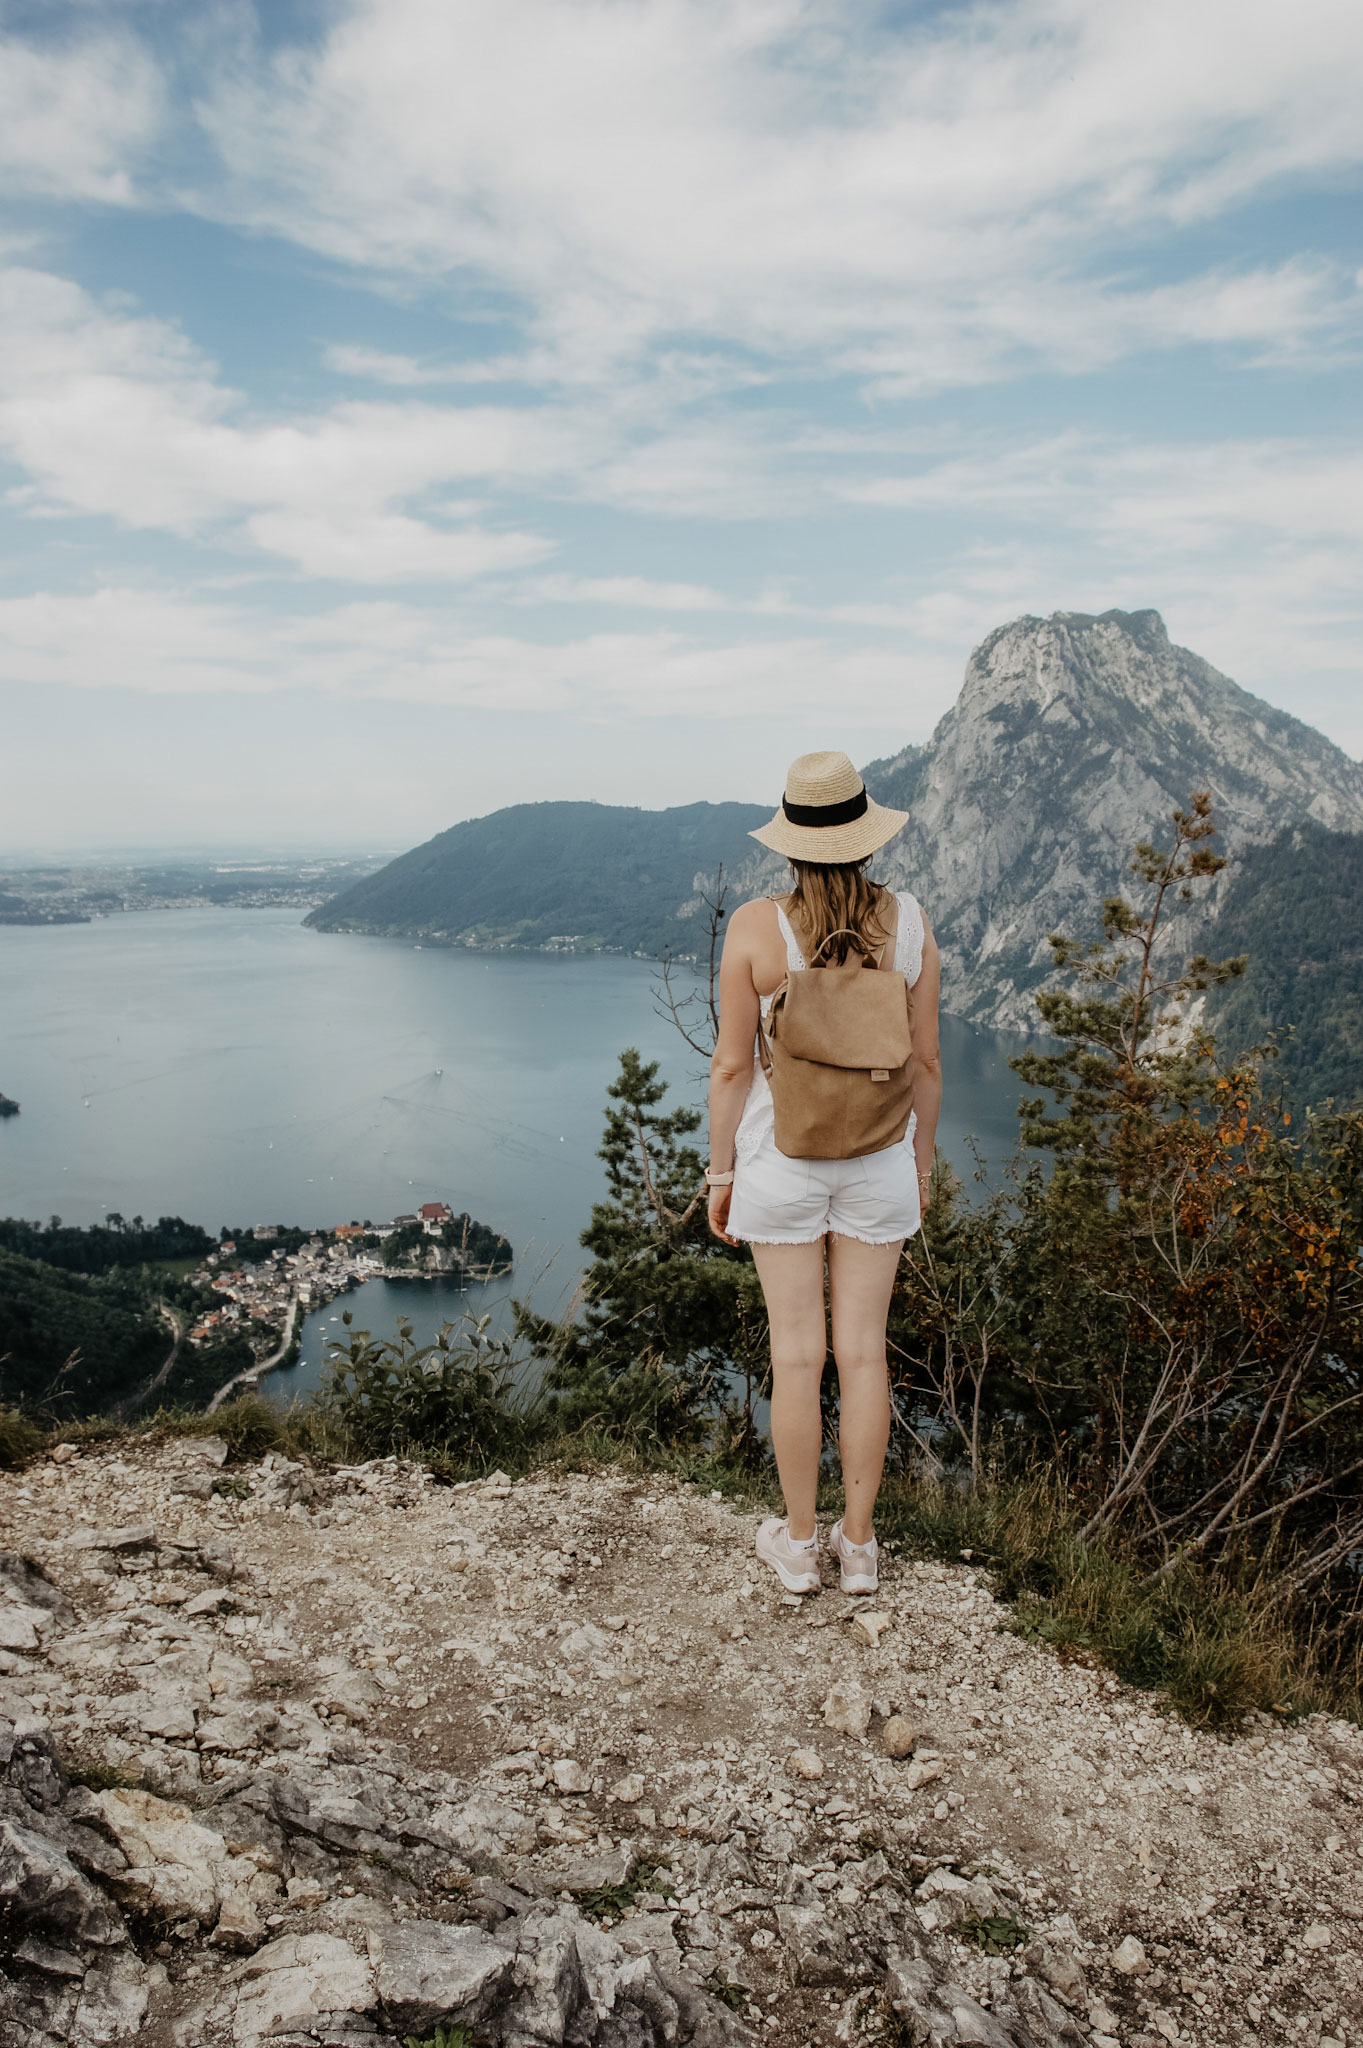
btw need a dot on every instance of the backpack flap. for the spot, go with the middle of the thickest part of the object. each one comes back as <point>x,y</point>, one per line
<point>849,1016</point>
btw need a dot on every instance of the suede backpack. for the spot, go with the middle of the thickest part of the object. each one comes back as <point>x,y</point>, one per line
<point>837,1049</point>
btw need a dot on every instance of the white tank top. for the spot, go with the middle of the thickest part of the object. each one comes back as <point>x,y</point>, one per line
<point>759,1112</point>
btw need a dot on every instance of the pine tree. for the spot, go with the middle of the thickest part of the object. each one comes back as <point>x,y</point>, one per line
<point>669,1315</point>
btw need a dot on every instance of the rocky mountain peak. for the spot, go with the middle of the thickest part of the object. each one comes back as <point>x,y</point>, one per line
<point>1071,738</point>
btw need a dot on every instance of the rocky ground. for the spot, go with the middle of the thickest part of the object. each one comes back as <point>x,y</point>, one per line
<point>338,1756</point>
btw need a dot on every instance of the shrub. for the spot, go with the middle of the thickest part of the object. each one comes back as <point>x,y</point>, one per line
<point>1172,1318</point>
<point>454,1402</point>
<point>18,1439</point>
<point>669,1318</point>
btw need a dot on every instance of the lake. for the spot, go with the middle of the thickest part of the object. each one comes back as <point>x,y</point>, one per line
<point>230,1067</point>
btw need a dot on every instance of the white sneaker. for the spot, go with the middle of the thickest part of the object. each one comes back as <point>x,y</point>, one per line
<point>858,1563</point>
<point>795,1566</point>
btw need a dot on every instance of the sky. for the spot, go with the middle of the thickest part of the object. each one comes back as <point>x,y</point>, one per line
<point>410,407</point>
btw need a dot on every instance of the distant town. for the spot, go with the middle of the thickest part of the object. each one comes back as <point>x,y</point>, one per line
<point>80,894</point>
<point>267,1277</point>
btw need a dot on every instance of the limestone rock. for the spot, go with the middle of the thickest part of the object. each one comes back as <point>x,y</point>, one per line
<point>29,1586</point>
<point>806,1763</point>
<point>1128,1958</point>
<point>428,1974</point>
<point>288,1981</point>
<point>924,1771</point>
<point>570,1776</point>
<point>817,1948</point>
<point>847,1709</point>
<point>171,1719</point>
<point>41,1888</point>
<point>17,1631</point>
<point>870,1626</point>
<point>135,1536</point>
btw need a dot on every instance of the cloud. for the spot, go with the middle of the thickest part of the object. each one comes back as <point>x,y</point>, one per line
<point>930,199</point>
<point>75,119</point>
<point>150,641</point>
<point>109,412</point>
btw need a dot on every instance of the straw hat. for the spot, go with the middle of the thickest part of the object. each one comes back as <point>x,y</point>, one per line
<point>826,815</point>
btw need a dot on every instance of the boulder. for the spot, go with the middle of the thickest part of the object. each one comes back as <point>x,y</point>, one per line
<point>428,1975</point>
<point>41,1888</point>
<point>289,1981</point>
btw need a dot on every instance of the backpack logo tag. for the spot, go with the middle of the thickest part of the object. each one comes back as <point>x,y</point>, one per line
<point>880,1073</point>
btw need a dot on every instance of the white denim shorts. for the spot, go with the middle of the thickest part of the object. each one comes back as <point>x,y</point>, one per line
<point>798,1201</point>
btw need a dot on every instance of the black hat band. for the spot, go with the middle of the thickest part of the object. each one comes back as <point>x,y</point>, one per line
<point>827,814</point>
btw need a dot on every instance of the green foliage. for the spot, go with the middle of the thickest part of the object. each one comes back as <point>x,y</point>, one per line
<point>69,1343</point>
<point>249,1426</point>
<point>609,1901</point>
<point>454,1402</point>
<point>1296,907</point>
<point>401,1244</point>
<point>1128,1056</point>
<point>732,1995</point>
<point>603,875</point>
<point>1214,1645</point>
<point>668,1312</point>
<point>104,1247</point>
<point>1172,1317</point>
<point>97,1776</point>
<point>444,2037</point>
<point>997,1934</point>
<point>477,1243</point>
<point>18,1440</point>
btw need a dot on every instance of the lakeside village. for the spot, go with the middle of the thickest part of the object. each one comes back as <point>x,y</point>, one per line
<point>265,1277</point>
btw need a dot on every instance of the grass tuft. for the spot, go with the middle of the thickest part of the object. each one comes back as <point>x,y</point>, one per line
<point>96,1776</point>
<point>1214,1646</point>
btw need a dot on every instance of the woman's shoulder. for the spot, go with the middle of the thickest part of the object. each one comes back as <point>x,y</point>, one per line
<point>759,914</point>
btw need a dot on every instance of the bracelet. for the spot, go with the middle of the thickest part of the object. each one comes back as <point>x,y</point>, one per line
<point>719,1180</point>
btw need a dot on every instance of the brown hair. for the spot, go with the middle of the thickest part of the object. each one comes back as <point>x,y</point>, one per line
<point>837,897</point>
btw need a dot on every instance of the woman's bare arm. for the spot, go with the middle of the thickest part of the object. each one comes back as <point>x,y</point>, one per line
<point>927,1057</point>
<point>731,1067</point>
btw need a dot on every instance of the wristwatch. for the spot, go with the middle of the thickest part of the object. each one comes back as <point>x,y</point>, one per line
<point>719,1180</point>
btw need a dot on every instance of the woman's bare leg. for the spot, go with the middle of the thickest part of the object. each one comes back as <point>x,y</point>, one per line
<point>860,1282</point>
<point>792,1283</point>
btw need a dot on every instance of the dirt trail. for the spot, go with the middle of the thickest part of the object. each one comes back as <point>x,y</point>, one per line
<point>605,1659</point>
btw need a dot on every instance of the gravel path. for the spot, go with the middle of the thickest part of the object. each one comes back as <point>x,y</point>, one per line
<point>605,1661</point>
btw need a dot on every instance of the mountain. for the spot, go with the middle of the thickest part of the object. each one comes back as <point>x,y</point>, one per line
<point>1295,906</point>
<point>1071,739</point>
<point>564,876</point>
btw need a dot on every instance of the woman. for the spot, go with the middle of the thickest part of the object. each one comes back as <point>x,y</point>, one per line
<point>798,1213</point>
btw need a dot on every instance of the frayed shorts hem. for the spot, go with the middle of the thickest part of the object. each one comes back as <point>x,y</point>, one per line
<point>900,1237</point>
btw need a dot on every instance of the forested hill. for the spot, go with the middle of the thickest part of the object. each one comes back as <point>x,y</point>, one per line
<point>573,875</point>
<point>1295,906</point>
